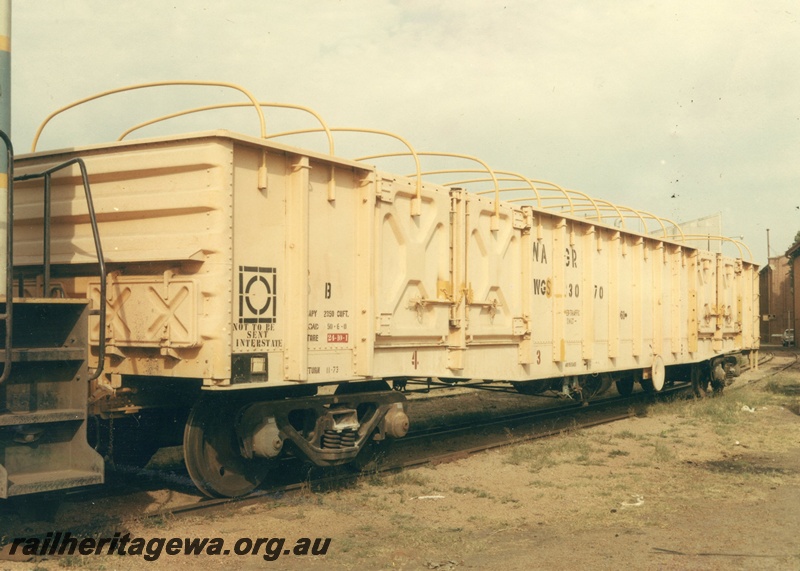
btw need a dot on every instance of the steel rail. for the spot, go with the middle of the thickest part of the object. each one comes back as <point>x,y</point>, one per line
<point>276,491</point>
<point>518,418</point>
<point>526,420</point>
<point>522,421</point>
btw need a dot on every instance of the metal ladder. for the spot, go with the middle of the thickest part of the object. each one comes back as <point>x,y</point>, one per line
<point>44,384</point>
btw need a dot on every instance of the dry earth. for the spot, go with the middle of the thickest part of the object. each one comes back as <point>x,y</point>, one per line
<point>708,484</point>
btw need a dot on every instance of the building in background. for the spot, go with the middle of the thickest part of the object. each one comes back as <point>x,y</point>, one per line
<point>776,306</point>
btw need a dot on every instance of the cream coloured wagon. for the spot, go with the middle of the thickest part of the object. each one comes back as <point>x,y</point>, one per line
<point>243,273</point>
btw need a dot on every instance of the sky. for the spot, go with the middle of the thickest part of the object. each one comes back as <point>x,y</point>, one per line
<point>685,108</point>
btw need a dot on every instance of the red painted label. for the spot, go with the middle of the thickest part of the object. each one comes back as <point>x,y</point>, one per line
<point>338,337</point>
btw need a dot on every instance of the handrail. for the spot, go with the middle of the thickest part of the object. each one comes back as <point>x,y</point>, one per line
<point>520,177</point>
<point>147,85</point>
<point>585,197</point>
<point>616,209</point>
<point>559,188</point>
<point>739,244</point>
<point>456,183</point>
<point>410,148</point>
<point>46,175</point>
<point>657,219</point>
<point>640,214</point>
<point>8,316</point>
<point>316,115</point>
<point>597,205</point>
<point>594,202</point>
<point>634,212</point>
<point>677,227</point>
<point>489,170</point>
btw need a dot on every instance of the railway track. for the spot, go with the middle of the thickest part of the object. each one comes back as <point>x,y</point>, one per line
<point>768,357</point>
<point>430,445</point>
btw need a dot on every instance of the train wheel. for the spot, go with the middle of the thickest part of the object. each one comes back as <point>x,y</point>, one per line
<point>625,386</point>
<point>699,382</point>
<point>718,376</point>
<point>211,451</point>
<point>596,385</point>
<point>372,456</point>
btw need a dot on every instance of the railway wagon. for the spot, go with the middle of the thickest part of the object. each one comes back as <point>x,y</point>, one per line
<point>279,294</point>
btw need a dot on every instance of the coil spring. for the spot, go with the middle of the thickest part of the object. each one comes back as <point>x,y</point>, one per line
<point>343,439</point>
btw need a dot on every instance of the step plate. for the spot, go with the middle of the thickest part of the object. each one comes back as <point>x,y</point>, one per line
<point>23,484</point>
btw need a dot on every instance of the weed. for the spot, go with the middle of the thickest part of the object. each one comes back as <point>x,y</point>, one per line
<point>155,521</point>
<point>577,444</point>
<point>617,452</point>
<point>468,490</point>
<point>414,478</point>
<point>570,447</point>
<point>376,479</point>
<point>535,457</point>
<point>663,453</point>
<point>543,484</point>
<point>73,561</point>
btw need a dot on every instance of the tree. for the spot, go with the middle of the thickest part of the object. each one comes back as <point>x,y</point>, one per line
<point>796,252</point>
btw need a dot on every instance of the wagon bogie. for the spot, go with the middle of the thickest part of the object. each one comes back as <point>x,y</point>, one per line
<point>231,442</point>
